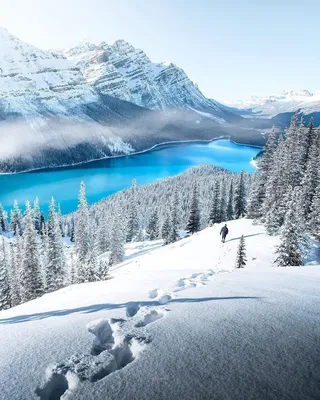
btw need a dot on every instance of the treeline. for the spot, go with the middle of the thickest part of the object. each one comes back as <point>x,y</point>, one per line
<point>285,194</point>
<point>34,260</point>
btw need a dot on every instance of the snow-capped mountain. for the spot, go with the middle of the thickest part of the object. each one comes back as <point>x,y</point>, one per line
<point>51,116</point>
<point>285,101</point>
<point>29,75</point>
<point>122,71</point>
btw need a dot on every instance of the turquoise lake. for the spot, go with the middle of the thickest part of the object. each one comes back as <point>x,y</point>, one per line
<point>107,176</point>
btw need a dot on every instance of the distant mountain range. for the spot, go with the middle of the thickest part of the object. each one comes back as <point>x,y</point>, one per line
<point>285,102</point>
<point>94,101</point>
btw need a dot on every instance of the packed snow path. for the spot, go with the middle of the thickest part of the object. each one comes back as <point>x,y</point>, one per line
<point>173,323</point>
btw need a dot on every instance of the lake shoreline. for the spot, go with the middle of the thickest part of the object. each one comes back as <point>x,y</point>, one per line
<point>155,147</point>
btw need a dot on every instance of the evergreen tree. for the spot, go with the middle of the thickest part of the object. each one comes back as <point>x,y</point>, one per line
<point>254,210</point>
<point>3,220</point>
<point>314,224</point>
<point>174,235</point>
<point>133,223</point>
<point>193,225</point>
<point>153,226</point>
<point>43,227</point>
<point>103,235</point>
<point>83,238</point>
<point>289,253</point>
<point>16,219</point>
<point>215,208</point>
<point>230,211</point>
<point>240,197</point>
<point>56,267</point>
<point>241,254</point>
<point>259,188</point>
<point>5,290</point>
<point>102,270</point>
<point>166,231</point>
<point>117,241</point>
<point>72,274</point>
<point>223,201</point>
<point>31,279</point>
<point>15,272</point>
<point>36,215</point>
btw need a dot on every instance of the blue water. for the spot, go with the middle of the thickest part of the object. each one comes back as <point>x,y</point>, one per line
<point>105,177</point>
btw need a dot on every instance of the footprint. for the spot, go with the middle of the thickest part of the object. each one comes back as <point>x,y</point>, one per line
<point>149,317</point>
<point>153,294</point>
<point>104,338</point>
<point>132,309</point>
<point>116,344</point>
<point>56,385</point>
<point>165,298</point>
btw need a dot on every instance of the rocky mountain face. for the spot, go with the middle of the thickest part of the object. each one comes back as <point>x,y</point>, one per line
<point>287,101</point>
<point>55,112</point>
<point>122,71</point>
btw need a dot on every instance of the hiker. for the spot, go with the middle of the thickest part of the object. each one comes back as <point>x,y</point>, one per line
<point>224,231</point>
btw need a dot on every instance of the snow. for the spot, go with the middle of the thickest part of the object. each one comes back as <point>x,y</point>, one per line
<point>172,322</point>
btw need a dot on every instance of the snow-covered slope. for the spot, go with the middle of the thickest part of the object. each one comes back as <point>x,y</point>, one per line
<point>122,71</point>
<point>171,322</point>
<point>278,103</point>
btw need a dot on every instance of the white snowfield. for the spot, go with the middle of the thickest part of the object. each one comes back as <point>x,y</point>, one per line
<point>174,322</point>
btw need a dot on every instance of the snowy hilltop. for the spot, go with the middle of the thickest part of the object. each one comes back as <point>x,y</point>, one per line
<point>286,101</point>
<point>180,318</point>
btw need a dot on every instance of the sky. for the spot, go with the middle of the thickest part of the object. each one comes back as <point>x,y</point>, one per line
<point>232,49</point>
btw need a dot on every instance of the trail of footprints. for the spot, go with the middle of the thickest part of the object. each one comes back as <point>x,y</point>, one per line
<point>117,342</point>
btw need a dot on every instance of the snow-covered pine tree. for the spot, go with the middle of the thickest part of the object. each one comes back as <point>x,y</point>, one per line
<point>72,276</point>
<point>241,254</point>
<point>117,251</point>
<point>103,234</point>
<point>289,252</point>
<point>59,215</point>
<point>56,261</point>
<point>16,223</point>
<point>43,227</point>
<point>102,270</point>
<point>36,215</point>
<point>223,201</point>
<point>15,271</point>
<point>258,191</point>
<point>214,216</point>
<point>314,223</point>
<point>174,235</point>
<point>5,290</point>
<point>82,233</point>
<point>311,175</point>
<point>166,230</point>
<point>4,226</point>
<point>31,280</point>
<point>133,222</point>
<point>153,226</point>
<point>193,225</point>
<point>254,204</point>
<point>230,211</point>
<point>240,197</point>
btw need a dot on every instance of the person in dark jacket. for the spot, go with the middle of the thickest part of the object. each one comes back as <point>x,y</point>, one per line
<point>224,231</point>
